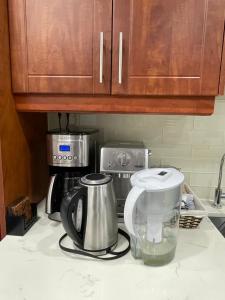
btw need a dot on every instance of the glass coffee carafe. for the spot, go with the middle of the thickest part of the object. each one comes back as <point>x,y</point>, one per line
<point>151,214</point>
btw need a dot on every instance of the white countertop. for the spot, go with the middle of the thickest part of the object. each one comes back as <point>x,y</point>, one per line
<point>34,268</point>
<point>212,211</point>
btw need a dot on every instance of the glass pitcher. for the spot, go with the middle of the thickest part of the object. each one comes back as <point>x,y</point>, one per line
<point>151,214</point>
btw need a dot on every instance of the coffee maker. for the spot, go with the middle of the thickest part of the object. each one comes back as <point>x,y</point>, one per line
<point>121,160</point>
<point>72,153</point>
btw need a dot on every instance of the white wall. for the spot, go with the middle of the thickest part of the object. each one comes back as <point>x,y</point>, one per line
<point>194,144</point>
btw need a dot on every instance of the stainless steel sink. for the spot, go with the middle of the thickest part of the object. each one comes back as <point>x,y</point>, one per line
<point>219,222</point>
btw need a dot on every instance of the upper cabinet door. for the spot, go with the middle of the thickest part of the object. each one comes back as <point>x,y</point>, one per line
<point>61,46</point>
<point>170,47</point>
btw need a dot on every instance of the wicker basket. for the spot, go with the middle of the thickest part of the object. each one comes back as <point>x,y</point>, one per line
<point>190,219</point>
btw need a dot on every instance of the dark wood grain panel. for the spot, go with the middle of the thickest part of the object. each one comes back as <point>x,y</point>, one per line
<point>152,105</point>
<point>164,86</point>
<point>2,204</point>
<point>61,84</point>
<point>222,70</point>
<point>59,37</point>
<point>169,47</point>
<point>57,44</point>
<point>22,137</point>
<point>213,46</point>
<point>158,49</point>
<point>34,127</point>
<point>24,156</point>
<point>17,23</point>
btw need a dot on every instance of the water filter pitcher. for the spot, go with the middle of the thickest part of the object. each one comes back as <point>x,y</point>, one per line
<point>152,212</point>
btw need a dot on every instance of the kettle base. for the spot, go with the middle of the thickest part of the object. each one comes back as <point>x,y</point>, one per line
<point>97,253</point>
<point>55,216</point>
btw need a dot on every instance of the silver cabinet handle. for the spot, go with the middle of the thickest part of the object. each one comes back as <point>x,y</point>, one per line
<point>120,57</point>
<point>101,57</point>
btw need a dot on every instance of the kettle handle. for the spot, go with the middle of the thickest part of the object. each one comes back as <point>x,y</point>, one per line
<point>68,211</point>
<point>129,207</point>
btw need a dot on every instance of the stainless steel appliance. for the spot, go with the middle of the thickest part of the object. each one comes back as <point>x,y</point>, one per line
<point>71,154</point>
<point>88,214</point>
<point>74,148</point>
<point>121,160</point>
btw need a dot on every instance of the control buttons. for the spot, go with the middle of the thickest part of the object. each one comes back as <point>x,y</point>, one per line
<point>64,157</point>
<point>109,164</point>
<point>123,159</point>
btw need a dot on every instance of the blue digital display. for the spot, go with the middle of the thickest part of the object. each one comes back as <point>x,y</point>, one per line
<point>64,148</point>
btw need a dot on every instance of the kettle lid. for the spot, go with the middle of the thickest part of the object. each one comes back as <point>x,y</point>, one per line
<point>157,179</point>
<point>95,179</point>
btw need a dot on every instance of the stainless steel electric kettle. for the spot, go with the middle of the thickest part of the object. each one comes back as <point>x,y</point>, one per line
<point>88,215</point>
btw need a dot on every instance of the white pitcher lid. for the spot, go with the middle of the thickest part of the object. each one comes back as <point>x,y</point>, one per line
<point>157,179</point>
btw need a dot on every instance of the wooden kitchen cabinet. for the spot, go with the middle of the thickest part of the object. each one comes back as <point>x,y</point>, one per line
<point>168,47</point>
<point>60,46</point>
<point>23,166</point>
<point>167,56</point>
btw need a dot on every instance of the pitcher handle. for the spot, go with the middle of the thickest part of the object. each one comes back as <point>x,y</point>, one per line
<point>129,207</point>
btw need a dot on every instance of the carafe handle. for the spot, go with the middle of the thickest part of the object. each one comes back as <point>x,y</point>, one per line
<point>68,211</point>
<point>129,207</point>
<point>49,196</point>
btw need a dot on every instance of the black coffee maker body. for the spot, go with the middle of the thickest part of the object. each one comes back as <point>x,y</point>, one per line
<point>71,155</point>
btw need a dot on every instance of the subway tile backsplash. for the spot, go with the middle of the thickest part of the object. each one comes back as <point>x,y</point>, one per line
<point>194,144</point>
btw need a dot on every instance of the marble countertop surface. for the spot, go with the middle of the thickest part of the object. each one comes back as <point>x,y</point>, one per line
<point>34,268</point>
<point>212,211</point>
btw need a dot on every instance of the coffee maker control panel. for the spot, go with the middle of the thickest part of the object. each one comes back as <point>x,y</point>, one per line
<point>124,157</point>
<point>68,150</point>
<point>64,157</point>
